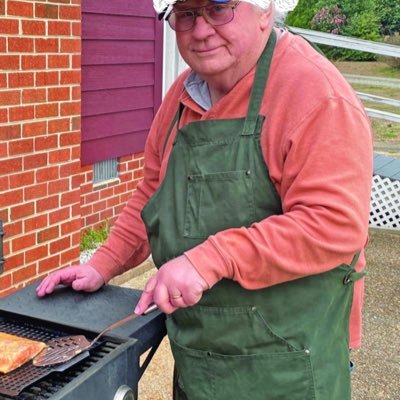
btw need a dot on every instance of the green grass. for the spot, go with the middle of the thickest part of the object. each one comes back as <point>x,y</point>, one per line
<point>92,238</point>
<point>385,131</point>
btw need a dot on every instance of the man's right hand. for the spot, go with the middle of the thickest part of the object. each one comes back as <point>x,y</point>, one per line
<point>81,277</point>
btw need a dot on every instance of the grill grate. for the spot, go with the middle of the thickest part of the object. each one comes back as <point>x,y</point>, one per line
<point>29,382</point>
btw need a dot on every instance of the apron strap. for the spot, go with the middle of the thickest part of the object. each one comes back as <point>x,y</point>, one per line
<point>173,123</point>
<point>260,81</point>
<point>353,275</point>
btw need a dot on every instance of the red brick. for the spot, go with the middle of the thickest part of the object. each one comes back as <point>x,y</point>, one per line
<point>99,206</point>
<point>76,61</point>
<point>37,253</point>
<point>70,12</point>
<point>21,113</point>
<point>4,215</point>
<point>48,203</point>
<point>14,261</point>
<point>20,147</point>
<point>75,152</point>
<point>13,229</point>
<point>59,28</point>
<point>76,210</point>
<point>23,242</point>
<point>10,132</point>
<point>35,223</point>
<point>46,45</point>
<point>4,182</point>
<point>70,77</point>
<point>76,29</point>
<point>35,161</point>
<point>9,62</point>
<point>33,27</point>
<point>48,234</point>
<point>69,169</point>
<point>58,156</point>
<point>76,123</point>
<point>47,78</point>
<point>10,97</point>
<point>22,210</point>
<point>76,181</point>
<point>70,138</point>
<point>47,174</point>
<point>3,79</point>
<point>76,93</point>
<point>5,282</point>
<point>24,273</point>
<point>33,96</point>
<point>3,116</point>
<point>138,174</point>
<point>46,143</point>
<point>62,214</point>
<point>2,7</point>
<point>35,192</point>
<point>59,93</point>
<point>34,129</point>
<point>106,214</point>
<point>3,45</point>
<point>20,79</point>
<point>20,8</point>
<point>10,166</point>
<point>70,227</point>
<point>70,46</point>
<point>59,125</point>
<point>70,256</point>
<point>49,264</point>
<point>70,198</point>
<point>92,219</point>
<point>9,26</point>
<point>20,180</point>
<point>33,62</point>
<point>46,11</point>
<point>59,186</point>
<point>58,61</point>
<point>73,108</point>
<point>46,110</point>
<point>60,245</point>
<point>20,45</point>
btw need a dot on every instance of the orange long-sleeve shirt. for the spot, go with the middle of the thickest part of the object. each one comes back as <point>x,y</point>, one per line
<point>316,141</point>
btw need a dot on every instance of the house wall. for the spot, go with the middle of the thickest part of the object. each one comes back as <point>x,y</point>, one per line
<point>39,137</point>
<point>47,199</point>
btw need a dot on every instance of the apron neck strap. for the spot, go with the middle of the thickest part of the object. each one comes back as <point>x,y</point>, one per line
<point>259,85</point>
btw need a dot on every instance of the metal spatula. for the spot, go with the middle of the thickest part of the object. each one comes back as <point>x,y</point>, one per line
<point>62,349</point>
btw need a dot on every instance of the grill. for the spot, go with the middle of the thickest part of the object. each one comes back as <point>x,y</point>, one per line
<point>110,371</point>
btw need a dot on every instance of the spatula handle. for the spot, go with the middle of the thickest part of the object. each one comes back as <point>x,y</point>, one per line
<point>109,328</point>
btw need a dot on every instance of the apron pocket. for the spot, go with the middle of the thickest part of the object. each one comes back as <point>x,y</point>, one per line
<point>273,376</point>
<point>212,199</point>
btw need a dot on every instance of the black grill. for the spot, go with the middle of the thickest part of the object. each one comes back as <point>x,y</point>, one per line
<point>94,374</point>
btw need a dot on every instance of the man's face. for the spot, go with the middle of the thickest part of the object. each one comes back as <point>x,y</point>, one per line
<point>225,49</point>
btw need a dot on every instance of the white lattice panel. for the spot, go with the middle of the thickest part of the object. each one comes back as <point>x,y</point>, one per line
<point>385,203</point>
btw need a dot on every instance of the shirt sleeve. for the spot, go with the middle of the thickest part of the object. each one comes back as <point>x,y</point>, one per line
<point>325,186</point>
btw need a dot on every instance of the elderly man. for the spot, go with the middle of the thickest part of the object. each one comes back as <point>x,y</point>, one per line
<point>254,205</point>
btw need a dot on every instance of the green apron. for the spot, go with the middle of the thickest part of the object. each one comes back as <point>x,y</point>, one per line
<point>286,342</point>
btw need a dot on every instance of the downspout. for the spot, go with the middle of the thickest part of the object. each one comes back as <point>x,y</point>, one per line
<point>2,259</point>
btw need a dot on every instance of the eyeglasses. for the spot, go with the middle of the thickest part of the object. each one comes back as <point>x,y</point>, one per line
<point>215,15</point>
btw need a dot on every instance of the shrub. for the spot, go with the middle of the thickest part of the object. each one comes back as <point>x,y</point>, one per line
<point>92,238</point>
<point>388,12</point>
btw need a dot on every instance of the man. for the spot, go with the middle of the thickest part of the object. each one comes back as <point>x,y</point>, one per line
<point>255,205</point>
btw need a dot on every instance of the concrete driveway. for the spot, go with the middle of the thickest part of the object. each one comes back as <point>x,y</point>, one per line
<point>377,372</point>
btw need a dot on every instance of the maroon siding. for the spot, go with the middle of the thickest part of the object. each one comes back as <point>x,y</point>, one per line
<point>121,76</point>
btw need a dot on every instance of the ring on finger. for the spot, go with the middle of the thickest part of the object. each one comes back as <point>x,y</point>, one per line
<point>176,296</point>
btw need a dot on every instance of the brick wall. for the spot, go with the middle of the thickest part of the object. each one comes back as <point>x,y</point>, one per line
<point>104,201</point>
<point>40,173</point>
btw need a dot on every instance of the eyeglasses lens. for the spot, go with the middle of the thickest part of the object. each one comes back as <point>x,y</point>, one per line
<point>215,15</point>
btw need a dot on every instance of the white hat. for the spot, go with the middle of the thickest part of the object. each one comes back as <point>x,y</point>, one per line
<point>164,7</point>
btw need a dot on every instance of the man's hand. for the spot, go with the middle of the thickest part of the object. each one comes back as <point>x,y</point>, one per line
<point>81,277</point>
<point>177,284</point>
